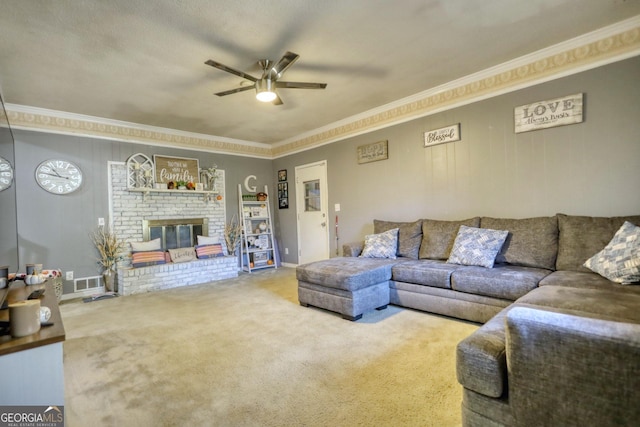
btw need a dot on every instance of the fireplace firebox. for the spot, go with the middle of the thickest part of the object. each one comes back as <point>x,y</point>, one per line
<point>175,233</point>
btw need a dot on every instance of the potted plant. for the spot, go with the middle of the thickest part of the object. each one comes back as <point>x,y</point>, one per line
<point>110,249</point>
<point>182,185</point>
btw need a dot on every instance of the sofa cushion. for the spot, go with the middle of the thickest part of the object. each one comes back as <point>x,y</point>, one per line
<point>346,273</point>
<point>504,281</point>
<point>477,246</point>
<point>532,242</point>
<point>438,236</point>
<point>579,279</point>
<point>619,261</point>
<point>581,237</point>
<point>607,304</point>
<point>409,235</point>
<point>424,272</point>
<point>382,245</point>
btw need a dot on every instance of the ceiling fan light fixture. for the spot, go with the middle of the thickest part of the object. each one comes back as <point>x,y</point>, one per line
<point>265,92</point>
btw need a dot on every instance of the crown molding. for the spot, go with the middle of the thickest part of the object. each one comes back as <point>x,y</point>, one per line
<point>61,122</point>
<point>597,48</point>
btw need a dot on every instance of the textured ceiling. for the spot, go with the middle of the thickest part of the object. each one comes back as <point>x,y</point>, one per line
<point>142,61</point>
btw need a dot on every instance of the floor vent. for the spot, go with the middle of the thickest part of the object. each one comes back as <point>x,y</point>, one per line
<point>87,284</point>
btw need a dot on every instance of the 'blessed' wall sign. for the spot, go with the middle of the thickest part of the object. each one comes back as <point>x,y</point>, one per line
<point>442,135</point>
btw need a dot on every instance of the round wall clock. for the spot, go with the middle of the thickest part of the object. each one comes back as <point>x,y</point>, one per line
<point>58,176</point>
<point>6,174</point>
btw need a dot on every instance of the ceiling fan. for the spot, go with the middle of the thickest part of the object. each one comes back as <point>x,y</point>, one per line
<point>266,85</point>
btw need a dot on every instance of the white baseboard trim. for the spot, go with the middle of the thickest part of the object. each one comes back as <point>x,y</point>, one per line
<point>83,294</point>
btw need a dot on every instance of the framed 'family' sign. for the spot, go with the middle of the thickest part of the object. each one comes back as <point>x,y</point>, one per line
<point>176,169</point>
<point>546,114</point>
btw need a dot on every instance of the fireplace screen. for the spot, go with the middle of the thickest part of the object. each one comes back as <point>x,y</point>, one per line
<point>175,233</point>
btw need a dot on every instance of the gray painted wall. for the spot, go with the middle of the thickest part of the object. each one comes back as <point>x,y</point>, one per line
<point>8,237</point>
<point>592,168</point>
<point>54,229</point>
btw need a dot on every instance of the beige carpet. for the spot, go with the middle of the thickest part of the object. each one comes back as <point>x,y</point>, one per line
<point>243,352</point>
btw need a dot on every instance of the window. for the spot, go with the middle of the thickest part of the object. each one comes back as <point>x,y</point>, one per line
<point>312,196</point>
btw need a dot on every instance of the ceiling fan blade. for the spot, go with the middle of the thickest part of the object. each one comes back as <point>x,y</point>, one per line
<point>285,62</point>
<point>300,85</point>
<point>230,70</point>
<point>277,101</point>
<point>232,91</point>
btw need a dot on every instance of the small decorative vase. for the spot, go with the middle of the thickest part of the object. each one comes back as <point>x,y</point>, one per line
<point>109,277</point>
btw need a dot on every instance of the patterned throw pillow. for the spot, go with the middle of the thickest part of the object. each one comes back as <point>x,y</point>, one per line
<point>477,246</point>
<point>619,261</point>
<point>146,258</point>
<point>383,245</point>
<point>209,251</point>
<point>182,254</point>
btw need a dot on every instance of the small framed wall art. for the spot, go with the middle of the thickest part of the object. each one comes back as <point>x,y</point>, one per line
<point>547,114</point>
<point>442,135</point>
<point>373,152</point>
<point>283,190</point>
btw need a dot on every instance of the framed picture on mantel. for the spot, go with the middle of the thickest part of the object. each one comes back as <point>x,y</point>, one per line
<point>174,169</point>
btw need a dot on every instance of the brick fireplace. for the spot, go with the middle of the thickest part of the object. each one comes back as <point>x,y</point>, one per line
<point>130,209</point>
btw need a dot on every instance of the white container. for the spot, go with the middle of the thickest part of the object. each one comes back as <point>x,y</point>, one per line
<point>24,318</point>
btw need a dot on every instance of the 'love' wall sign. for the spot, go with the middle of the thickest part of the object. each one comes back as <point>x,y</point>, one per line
<point>547,114</point>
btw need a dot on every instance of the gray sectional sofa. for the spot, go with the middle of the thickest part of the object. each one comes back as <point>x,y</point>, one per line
<point>559,344</point>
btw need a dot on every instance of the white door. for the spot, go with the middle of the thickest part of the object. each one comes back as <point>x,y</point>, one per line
<point>312,212</point>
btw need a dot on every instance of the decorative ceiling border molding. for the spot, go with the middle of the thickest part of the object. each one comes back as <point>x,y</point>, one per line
<point>607,45</point>
<point>601,47</point>
<point>44,120</point>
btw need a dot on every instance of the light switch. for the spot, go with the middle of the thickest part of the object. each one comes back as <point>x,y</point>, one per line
<point>337,207</point>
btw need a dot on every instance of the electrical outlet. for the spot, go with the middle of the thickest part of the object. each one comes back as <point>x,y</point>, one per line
<point>69,275</point>
<point>100,221</point>
<point>286,251</point>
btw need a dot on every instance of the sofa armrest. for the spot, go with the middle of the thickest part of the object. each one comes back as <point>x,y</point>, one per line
<point>352,249</point>
<point>572,370</point>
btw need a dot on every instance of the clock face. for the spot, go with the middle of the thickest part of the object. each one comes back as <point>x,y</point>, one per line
<point>58,176</point>
<point>6,174</point>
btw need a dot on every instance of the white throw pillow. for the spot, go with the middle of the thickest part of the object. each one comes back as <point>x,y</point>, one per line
<point>619,261</point>
<point>208,240</point>
<point>382,245</point>
<point>477,246</point>
<point>151,245</point>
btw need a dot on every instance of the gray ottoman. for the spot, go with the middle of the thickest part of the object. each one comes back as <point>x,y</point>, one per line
<point>346,285</point>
